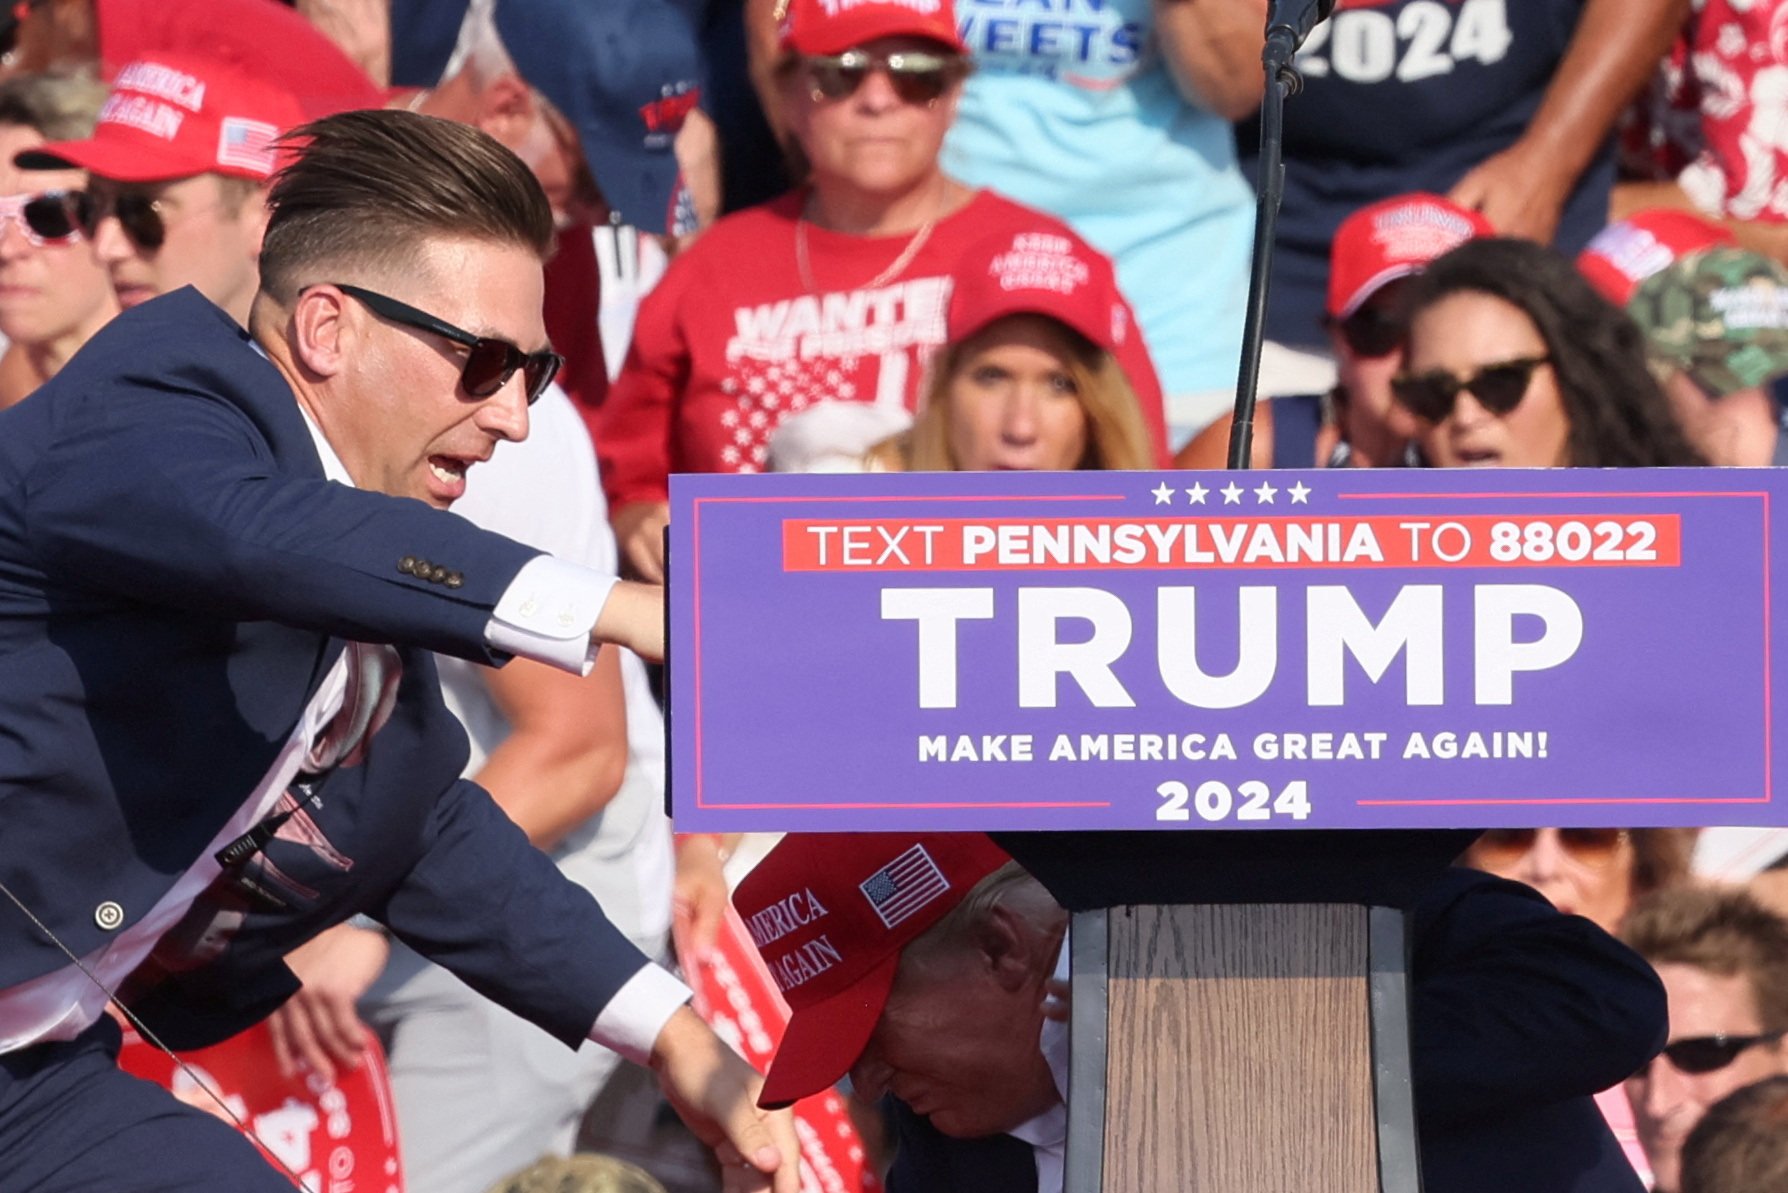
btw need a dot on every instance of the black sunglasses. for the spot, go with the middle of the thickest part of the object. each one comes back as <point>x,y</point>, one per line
<point>1498,388</point>
<point>1710,1054</point>
<point>917,77</point>
<point>1371,331</point>
<point>138,213</point>
<point>49,217</point>
<point>490,362</point>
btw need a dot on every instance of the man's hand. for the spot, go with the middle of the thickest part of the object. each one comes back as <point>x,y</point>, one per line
<point>639,529</point>
<point>319,1028</point>
<point>715,1092</point>
<point>633,616</point>
<point>1518,191</point>
<point>1614,49</point>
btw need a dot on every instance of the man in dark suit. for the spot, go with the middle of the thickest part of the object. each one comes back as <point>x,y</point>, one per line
<point>921,964</point>
<point>208,751</point>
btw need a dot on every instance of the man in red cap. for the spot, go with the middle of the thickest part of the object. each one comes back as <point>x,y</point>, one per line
<point>180,163</point>
<point>920,964</point>
<point>1356,423</point>
<point>917,963</point>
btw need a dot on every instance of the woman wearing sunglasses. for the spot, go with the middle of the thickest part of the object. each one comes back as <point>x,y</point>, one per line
<point>835,292</point>
<point>1593,872</point>
<point>1514,360</point>
<point>54,293</point>
<point>1356,424</point>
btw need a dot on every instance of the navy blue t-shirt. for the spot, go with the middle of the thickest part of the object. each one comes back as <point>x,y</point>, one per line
<point>1408,95</point>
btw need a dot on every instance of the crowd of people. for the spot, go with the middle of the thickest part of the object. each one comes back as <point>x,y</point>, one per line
<point>246,248</point>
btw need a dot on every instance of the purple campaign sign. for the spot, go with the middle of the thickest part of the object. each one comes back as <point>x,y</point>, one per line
<point>1339,649</point>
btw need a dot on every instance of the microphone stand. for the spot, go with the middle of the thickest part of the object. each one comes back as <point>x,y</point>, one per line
<point>1282,81</point>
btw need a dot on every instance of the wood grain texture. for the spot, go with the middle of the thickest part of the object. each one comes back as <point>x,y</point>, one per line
<point>1239,1051</point>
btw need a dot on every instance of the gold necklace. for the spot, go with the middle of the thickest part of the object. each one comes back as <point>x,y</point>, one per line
<point>805,267</point>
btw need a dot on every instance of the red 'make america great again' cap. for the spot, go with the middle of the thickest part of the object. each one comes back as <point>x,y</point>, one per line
<point>830,913</point>
<point>1391,239</point>
<point>175,116</point>
<point>1040,272</point>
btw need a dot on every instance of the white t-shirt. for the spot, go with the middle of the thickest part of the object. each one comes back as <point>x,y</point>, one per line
<point>544,491</point>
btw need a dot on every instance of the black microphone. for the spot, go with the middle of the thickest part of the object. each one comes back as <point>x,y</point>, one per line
<point>1289,22</point>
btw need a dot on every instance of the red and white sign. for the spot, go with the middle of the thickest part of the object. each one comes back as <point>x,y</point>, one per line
<point>339,1136</point>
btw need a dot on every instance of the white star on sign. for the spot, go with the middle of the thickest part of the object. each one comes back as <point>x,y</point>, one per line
<point>1232,493</point>
<point>1264,494</point>
<point>1300,494</point>
<point>1162,493</point>
<point>1196,494</point>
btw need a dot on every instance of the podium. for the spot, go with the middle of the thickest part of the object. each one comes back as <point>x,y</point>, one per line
<point>1239,1007</point>
<point>1235,732</point>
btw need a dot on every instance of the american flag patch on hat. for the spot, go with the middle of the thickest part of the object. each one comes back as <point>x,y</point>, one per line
<point>246,144</point>
<point>902,888</point>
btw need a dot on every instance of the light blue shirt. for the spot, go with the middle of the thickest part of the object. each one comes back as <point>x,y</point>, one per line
<point>1071,109</point>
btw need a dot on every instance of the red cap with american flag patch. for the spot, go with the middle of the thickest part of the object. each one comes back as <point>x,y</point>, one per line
<point>830,913</point>
<point>175,116</point>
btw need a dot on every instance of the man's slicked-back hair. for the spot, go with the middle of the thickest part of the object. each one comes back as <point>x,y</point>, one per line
<point>367,189</point>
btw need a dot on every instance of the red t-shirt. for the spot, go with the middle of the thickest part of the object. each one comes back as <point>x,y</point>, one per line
<point>573,323</point>
<point>732,341</point>
<point>1716,117</point>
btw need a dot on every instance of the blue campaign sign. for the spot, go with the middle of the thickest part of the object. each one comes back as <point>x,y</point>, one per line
<point>1319,649</point>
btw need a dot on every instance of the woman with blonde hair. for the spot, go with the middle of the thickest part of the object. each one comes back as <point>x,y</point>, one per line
<point>1030,376</point>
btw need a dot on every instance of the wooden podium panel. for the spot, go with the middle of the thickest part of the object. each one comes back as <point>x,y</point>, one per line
<point>1237,1045</point>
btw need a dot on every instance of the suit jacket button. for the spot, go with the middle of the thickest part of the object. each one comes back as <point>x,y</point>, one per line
<point>454,580</point>
<point>438,574</point>
<point>407,565</point>
<point>109,916</point>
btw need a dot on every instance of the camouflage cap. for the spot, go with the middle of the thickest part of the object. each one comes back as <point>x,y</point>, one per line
<point>1720,315</point>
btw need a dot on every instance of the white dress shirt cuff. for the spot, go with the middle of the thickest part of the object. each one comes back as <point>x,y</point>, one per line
<point>631,1021</point>
<point>547,612</point>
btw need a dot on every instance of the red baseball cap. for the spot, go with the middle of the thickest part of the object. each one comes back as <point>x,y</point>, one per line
<point>174,116</point>
<point>1628,251</point>
<point>830,913</point>
<point>264,40</point>
<point>1393,239</point>
<point>1043,272</point>
<point>834,26</point>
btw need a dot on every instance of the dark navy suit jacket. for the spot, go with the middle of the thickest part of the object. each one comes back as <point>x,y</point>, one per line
<point>176,577</point>
<point>1518,1016</point>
